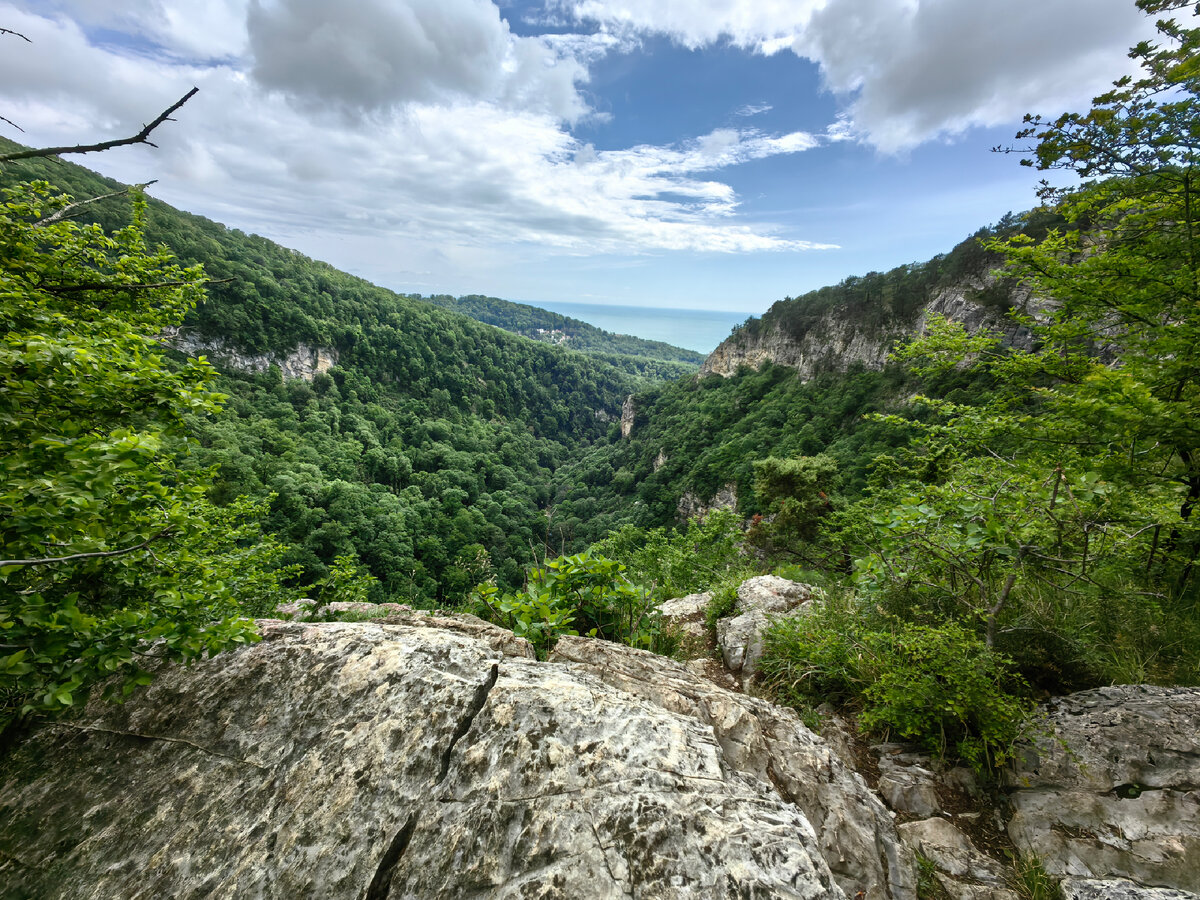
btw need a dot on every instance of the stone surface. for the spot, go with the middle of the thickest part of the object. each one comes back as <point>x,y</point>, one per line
<point>688,616</point>
<point>740,637</point>
<point>429,757</point>
<point>964,872</point>
<point>769,744</point>
<point>628,416</point>
<point>303,362</point>
<point>692,506</point>
<point>1118,889</point>
<point>1113,788</point>
<point>910,790</point>
<point>838,340</point>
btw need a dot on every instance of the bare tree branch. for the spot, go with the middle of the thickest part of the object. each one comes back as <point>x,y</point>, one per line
<point>17,34</point>
<point>102,554</point>
<point>142,137</point>
<point>54,217</point>
<point>12,123</point>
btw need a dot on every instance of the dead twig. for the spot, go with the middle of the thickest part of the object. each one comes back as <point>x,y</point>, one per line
<point>142,137</point>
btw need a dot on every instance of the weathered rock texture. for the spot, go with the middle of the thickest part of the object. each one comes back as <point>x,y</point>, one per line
<point>434,759</point>
<point>1113,790</point>
<point>769,745</point>
<point>303,362</point>
<point>688,614</point>
<point>740,637</point>
<point>838,341</point>
<point>963,872</point>
<point>628,416</point>
<point>692,506</point>
<point>1118,889</point>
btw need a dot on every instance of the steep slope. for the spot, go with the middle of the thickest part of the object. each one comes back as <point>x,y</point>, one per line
<point>802,380</point>
<point>415,441</point>
<point>857,322</point>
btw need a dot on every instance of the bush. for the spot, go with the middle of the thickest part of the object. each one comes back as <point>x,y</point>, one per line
<point>943,688</point>
<point>937,686</point>
<point>573,594</point>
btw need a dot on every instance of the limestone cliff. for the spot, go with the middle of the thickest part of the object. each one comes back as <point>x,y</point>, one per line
<point>433,758</point>
<point>303,362</point>
<point>841,336</point>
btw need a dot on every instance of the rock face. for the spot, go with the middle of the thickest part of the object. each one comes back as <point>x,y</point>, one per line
<point>740,637</point>
<point>837,342</point>
<point>303,362</point>
<point>1113,790</point>
<point>628,416</point>
<point>427,758</point>
<point>963,872</point>
<point>691,506</point>
<point>769,745</point>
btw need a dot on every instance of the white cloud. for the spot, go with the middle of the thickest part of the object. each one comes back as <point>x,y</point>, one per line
<point>212,29</point>
<point>440,167</point>
<point>374,55</point>
<point>753,109</point>
<point>912,70</point>
<point>695,23</point>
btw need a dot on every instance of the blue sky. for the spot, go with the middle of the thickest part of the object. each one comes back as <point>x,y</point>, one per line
<point>712,154</point>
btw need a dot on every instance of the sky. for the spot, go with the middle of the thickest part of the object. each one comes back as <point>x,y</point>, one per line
<point>692,154</point>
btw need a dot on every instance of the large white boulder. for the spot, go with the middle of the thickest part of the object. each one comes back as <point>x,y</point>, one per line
<point>431,758</point>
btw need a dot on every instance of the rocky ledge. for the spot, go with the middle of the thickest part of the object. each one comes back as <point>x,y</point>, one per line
<point>424,758</point>
<point>434,757</point>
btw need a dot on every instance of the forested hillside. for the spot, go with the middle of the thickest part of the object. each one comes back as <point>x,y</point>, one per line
<point>427,454</point>
<point>985,516</point>
<point>543,325</point>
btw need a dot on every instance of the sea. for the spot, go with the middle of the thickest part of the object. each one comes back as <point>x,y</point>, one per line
<point>695,329</point>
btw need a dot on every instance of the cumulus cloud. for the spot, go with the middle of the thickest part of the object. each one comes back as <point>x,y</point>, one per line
<point>374,55</point>
<point>211,30</point>
<point>912,70</point>
<point>467,165</point>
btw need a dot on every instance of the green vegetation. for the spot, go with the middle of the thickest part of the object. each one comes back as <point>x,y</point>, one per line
<point>654,358</point>
<point>986,520</point>
<point>433,434</point>
<point>112,556</point>
<point>582,594</point>
<point>1047,522</point>
<point>940,687</point>
<point>1031,881</point>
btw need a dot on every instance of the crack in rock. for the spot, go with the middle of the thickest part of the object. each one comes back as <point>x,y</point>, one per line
<point>158,737</point>
<point>477,702</point>
<point>381,884</point>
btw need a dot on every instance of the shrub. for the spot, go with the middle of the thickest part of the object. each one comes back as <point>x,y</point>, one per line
<point>573,594</point>
<point>943,688</point>
<point>937,686</point>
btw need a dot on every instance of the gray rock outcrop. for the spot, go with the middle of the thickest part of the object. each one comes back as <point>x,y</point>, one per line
<point>692,506</point>
<point>628,416</point>
<point>1113,788</point>
<point>769,744</point>
<point>426,758</point>
<point>740,637</point>
<point>304,362</point>
<point>688,614</point>
<point>1118,889</point>
<point>962,871</point>
<point>838,340</point>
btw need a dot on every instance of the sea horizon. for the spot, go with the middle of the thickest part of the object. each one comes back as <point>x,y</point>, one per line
<point>700,330</point>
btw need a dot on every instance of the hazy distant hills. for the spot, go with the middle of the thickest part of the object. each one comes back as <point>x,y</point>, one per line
<point>543,325</point>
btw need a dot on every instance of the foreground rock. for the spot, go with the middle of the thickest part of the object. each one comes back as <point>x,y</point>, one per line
<point>769,744</point>
<point>740,637</point>
<point>1113,790</point>
<point>432,758</point>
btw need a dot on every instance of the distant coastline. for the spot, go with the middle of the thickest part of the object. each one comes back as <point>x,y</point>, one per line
<point>695,329</point>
